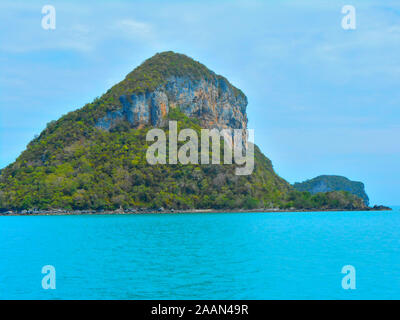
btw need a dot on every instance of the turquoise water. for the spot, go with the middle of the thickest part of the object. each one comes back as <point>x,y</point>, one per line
<point>202,256</point>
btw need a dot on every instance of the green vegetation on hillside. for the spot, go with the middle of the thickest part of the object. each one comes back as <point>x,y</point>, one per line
<point>77,167</point>
<point>155,71</point>
<point>323,200</point>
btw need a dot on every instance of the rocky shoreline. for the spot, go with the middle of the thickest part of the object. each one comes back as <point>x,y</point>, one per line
<point>162,210</point>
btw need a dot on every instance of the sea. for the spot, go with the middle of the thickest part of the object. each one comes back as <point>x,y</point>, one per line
<point>292,255</point>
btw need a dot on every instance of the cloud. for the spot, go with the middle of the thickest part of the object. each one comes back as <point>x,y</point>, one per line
<point>135,28</point>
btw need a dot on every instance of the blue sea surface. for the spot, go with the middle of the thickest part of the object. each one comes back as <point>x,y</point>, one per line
<point>202,256</point>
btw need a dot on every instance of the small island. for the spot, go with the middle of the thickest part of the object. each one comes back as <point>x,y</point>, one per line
<point>92,160</point>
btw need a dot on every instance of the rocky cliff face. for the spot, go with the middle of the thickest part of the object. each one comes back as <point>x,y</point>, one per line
<point>214,102</point>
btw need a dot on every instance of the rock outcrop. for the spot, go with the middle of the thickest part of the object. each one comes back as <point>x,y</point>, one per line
<point>212,101</point>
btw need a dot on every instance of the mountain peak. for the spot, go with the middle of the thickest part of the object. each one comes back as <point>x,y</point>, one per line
<point>156,70</point>
<point>170,80</point>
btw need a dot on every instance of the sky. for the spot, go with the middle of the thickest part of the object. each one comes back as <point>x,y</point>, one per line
<point>322,99</point>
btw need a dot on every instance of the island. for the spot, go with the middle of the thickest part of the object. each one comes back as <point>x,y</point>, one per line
<point>93,160</point>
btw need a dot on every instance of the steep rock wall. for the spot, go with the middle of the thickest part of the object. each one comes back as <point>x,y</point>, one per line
<point>213,101</point>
